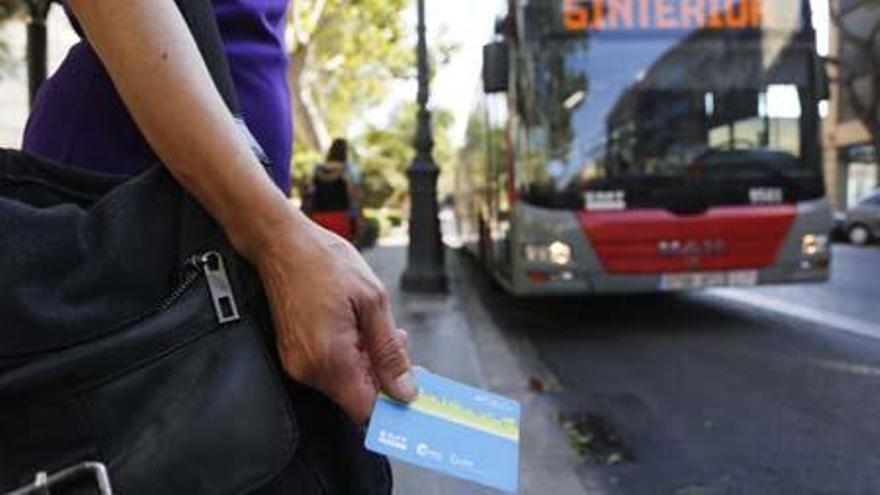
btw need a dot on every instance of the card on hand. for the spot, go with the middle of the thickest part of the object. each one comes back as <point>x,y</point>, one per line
<point>452,428</point>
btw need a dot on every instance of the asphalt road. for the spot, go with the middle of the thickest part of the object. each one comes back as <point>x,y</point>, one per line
<point>775,390</point>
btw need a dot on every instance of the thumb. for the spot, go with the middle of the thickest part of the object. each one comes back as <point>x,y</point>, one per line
<point>393,368</point>
<point>387,348</point>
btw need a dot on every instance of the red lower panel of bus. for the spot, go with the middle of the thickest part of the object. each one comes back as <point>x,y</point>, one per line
<point>657,241</point>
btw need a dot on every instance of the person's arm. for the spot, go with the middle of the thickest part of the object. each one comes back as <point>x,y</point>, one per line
<point>332,315</point>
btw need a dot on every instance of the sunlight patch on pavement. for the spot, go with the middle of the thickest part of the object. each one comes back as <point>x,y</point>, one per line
<point>398,237</point>
<point>840,366</point>
<point>801,361</point>
<point>394,241</point>
<point>802,312</point>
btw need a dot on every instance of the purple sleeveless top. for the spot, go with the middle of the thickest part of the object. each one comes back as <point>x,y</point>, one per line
<point>78,118</point>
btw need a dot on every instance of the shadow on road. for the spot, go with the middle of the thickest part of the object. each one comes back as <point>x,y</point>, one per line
<point>707,395</point>
<point>598,316</point>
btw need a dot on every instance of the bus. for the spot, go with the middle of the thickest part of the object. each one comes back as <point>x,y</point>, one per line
<point>623,146</point>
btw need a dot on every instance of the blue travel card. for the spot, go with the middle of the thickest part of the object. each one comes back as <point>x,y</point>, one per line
<point>451,428</point>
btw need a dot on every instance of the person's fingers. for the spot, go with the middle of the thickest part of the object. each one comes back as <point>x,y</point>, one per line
<point>352,384</point>
<point>387,347</point>
<point>392,365</point>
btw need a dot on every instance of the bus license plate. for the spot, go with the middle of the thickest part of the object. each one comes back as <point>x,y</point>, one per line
<point>706,280</point>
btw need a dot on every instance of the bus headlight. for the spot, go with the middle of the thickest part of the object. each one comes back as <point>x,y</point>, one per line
<point>557,253</point>
<point>814,245</point>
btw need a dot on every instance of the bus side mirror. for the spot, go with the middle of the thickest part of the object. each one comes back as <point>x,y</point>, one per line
<point>496,68</point>
<point>823,82</point>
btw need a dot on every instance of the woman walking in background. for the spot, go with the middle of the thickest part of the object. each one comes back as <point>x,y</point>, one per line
<point>334,201</point>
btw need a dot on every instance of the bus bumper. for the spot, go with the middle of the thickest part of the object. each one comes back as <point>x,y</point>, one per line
<point>598,283</point>
<point>586,275</point>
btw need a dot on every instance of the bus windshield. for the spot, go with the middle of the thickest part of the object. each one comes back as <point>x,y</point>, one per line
<point>639,106</point>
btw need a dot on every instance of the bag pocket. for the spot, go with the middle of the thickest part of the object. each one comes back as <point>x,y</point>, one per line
<point>210,418</point>
<point>176,402</point>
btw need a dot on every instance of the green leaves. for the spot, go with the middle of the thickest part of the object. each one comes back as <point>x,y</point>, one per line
<point>357,52</point>
<point>594,439</point>
<point>385,153</point>
<point>351,50</point>
<point>346,55</point>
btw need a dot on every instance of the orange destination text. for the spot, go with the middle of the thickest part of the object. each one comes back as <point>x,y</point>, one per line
<point>579,15</point>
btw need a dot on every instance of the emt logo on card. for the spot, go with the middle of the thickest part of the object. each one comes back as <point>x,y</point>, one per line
<point>452,428</point>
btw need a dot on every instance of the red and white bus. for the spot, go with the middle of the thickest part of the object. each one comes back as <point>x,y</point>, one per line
<point>636,146</point>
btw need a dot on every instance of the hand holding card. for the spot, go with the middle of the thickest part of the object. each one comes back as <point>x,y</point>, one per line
<point>451,428</point>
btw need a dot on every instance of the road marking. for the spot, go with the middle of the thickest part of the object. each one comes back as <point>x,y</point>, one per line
<point>811,314</point>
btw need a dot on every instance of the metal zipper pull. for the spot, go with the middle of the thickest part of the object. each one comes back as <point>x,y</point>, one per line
<point>218,284</point>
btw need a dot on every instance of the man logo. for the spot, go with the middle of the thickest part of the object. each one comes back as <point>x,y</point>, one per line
<point>692,248</point>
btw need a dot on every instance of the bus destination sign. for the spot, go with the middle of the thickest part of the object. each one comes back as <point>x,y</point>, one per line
<point>625,15</point>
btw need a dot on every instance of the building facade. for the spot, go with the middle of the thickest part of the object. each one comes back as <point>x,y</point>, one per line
<point>850,159</point>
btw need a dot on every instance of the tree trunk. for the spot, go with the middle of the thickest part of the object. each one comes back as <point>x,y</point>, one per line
<point>309,126</point>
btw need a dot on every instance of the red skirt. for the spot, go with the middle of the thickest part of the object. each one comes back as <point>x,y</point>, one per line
<point>337,222</point>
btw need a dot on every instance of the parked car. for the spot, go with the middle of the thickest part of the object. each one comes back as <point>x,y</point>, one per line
<point>861,224</point>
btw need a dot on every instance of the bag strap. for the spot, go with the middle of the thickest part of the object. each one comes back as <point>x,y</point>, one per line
<point>199,16</point>
<point>196,225</point>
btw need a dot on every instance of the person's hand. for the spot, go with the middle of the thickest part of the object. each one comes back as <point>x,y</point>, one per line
<point>334,327</point>
<point>333,319</point>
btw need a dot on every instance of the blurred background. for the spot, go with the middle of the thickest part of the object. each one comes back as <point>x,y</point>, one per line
<point>611,194</point>
<point>353,75</point>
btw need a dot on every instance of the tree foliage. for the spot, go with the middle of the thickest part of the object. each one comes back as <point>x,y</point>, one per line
<point>481,157</point>
<point>386,152</point>
<point>344,54</point>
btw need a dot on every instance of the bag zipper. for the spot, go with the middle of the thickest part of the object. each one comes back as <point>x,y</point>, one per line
<point>212,266</point>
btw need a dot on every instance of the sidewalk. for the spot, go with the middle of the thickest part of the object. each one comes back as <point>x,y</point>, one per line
<point>453,335</point>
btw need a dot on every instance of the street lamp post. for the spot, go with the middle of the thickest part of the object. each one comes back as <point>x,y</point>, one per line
<point>425,271</point>
<point>37,46</point>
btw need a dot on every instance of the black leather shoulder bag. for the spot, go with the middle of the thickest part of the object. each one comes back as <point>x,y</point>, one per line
<point>132,335</point>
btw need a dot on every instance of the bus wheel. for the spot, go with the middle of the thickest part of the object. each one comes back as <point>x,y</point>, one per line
<point>859,235</point>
